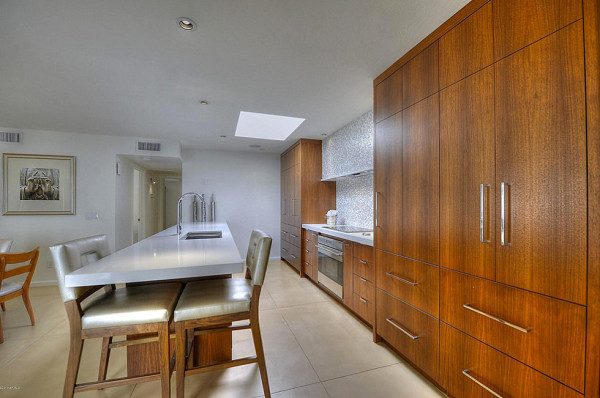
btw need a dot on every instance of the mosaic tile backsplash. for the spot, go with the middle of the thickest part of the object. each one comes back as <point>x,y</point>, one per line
<point>354,200</point>
<point>349,150</point>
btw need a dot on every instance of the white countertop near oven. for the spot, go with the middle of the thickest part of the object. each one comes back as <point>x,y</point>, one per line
<point>357,237</point>
<point>165,257</point>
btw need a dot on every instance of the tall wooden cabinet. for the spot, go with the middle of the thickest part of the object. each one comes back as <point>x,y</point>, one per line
<point>487,236</point>
<point>304,197</point>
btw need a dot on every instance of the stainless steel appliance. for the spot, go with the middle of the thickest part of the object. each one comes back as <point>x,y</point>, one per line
<point>331,265</point>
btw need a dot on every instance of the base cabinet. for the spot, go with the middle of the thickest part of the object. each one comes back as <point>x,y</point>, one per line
<point>470,368</point>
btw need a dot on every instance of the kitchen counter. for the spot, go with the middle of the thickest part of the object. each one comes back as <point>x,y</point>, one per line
<point>357,237</point>
<point>165,257</point>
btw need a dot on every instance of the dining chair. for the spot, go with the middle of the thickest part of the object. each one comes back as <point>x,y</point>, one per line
<point>5,245</point>
<point>10,290</point>
<point>206,305</point>
<point>112,312</point>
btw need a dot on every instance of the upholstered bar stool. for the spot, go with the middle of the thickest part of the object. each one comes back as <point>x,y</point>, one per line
<point>114,312</point>
<point>204,305</point>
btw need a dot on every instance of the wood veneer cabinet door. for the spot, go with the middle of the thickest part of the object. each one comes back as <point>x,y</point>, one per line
<point>541,161</point>
<point>296,196</point>
<point>348,274</point>
<point>467,175</point>
<point>388,96</point>
<point>420,76</point>
<point>388,184</point>
<point>420,181</point>
<point>545,333</point>
<point>518,23</point>
<point>468,47</point>
<point>488,368</point>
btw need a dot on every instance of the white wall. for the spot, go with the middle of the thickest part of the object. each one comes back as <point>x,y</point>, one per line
<point>95,192</point>
<point>246,188</point>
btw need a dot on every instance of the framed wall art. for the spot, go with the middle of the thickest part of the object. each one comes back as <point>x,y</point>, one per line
<point>38,184</point>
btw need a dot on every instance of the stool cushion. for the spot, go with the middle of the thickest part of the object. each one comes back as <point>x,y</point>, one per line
<point>214,297</point>
<point>131,305</point>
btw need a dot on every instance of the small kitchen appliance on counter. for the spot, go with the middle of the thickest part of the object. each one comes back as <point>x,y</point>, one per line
<point>331,217</point>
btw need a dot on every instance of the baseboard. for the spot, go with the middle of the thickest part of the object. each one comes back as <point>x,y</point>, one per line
<point>275,258</point>
<point>44,283</point>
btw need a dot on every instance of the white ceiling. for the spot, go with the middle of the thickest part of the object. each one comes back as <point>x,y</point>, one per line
<point>125,67</point>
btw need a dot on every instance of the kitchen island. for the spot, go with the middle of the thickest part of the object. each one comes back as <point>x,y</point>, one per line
<point>166,256</point>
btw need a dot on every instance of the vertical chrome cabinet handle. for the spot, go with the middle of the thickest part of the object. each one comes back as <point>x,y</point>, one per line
<point>394,324</point>
<point>482,212</point>
<point>494,393</point>
<point>503,214</point>
<point>293,207</point>
<point>377,209</point>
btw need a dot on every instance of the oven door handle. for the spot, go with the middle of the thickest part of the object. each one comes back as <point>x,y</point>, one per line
<point>336,255</point>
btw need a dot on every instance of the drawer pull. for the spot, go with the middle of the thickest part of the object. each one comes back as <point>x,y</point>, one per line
<point>363,261</point>
<point>284,232</point>
<point>362,299</point>
<point>285,250</point>
<point>394,324</point>
<point>495,394</point>
<point>362,279</point>
<point>291,255</point>
<point>308,251</point>
<point>293,236</point>
<point>502,321</point>
<point>400,279</point>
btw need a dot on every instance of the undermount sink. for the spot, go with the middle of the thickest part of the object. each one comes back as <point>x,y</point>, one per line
<point>202,235</point>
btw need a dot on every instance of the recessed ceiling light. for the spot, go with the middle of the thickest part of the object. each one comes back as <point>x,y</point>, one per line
<point>265,126</point>
<point>254,146</point>
<point>323,134</point>
<point>261,149</point>
<point>203,102</point>
<point>186,23</point>
<point>223,136</point>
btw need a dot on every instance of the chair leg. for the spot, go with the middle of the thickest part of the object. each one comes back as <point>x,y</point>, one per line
<point>164,359</point>
<point>180,352</point>
<point>260,355</point>
<point>73,365</point>
<point>3,306</point>
<point>104,357</point>
<point>27,303</point>
<point>1,332</point>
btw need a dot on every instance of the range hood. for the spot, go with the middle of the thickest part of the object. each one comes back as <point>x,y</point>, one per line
<point>355,173</point>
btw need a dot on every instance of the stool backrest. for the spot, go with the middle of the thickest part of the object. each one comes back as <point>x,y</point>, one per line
<point>72,255</point>
<point>258,256</point>
<point>5,245</point>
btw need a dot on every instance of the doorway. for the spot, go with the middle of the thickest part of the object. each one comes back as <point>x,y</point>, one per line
<point>138,206</point>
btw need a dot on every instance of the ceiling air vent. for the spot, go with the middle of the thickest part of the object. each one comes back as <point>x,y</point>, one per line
<point>148,146</point>
<point>10,137</point>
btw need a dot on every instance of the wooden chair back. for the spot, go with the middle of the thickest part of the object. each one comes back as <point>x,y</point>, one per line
<point>30,258</point>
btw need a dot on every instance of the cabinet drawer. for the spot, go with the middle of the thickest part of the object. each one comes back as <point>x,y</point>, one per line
<point>310,236</point>
<point>363,252</point>
<point>544,333</point>
<point>364,288</point>
<point>364,269</point>
<point>364,308</point>
<point>412,281</point>
<point>410,331</point>
<point>463,358</point>
<point>308,269</point>
<point>291,254</point>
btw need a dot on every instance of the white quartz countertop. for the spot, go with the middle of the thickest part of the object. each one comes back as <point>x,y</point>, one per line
<point>357,237</point>
<point>165,257</point>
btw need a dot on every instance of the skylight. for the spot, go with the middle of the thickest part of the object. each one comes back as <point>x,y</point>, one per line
<point>266,127</point>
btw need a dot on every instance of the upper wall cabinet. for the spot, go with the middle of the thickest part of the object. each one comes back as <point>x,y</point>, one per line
<point>518,23</point>
<point>420,76</point>
<point>388,96</point>
<point>467,48</point>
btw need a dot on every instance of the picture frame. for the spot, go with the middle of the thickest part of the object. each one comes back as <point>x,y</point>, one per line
<point>38,184</point>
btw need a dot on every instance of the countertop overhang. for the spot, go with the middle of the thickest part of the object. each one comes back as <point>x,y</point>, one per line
<point>357,237</point>
<point>165,257</point>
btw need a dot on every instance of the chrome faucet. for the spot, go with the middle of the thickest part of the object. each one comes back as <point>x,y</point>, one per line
<point>179,203</point>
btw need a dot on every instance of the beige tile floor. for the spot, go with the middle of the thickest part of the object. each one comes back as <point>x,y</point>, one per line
<point>314,349</point>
